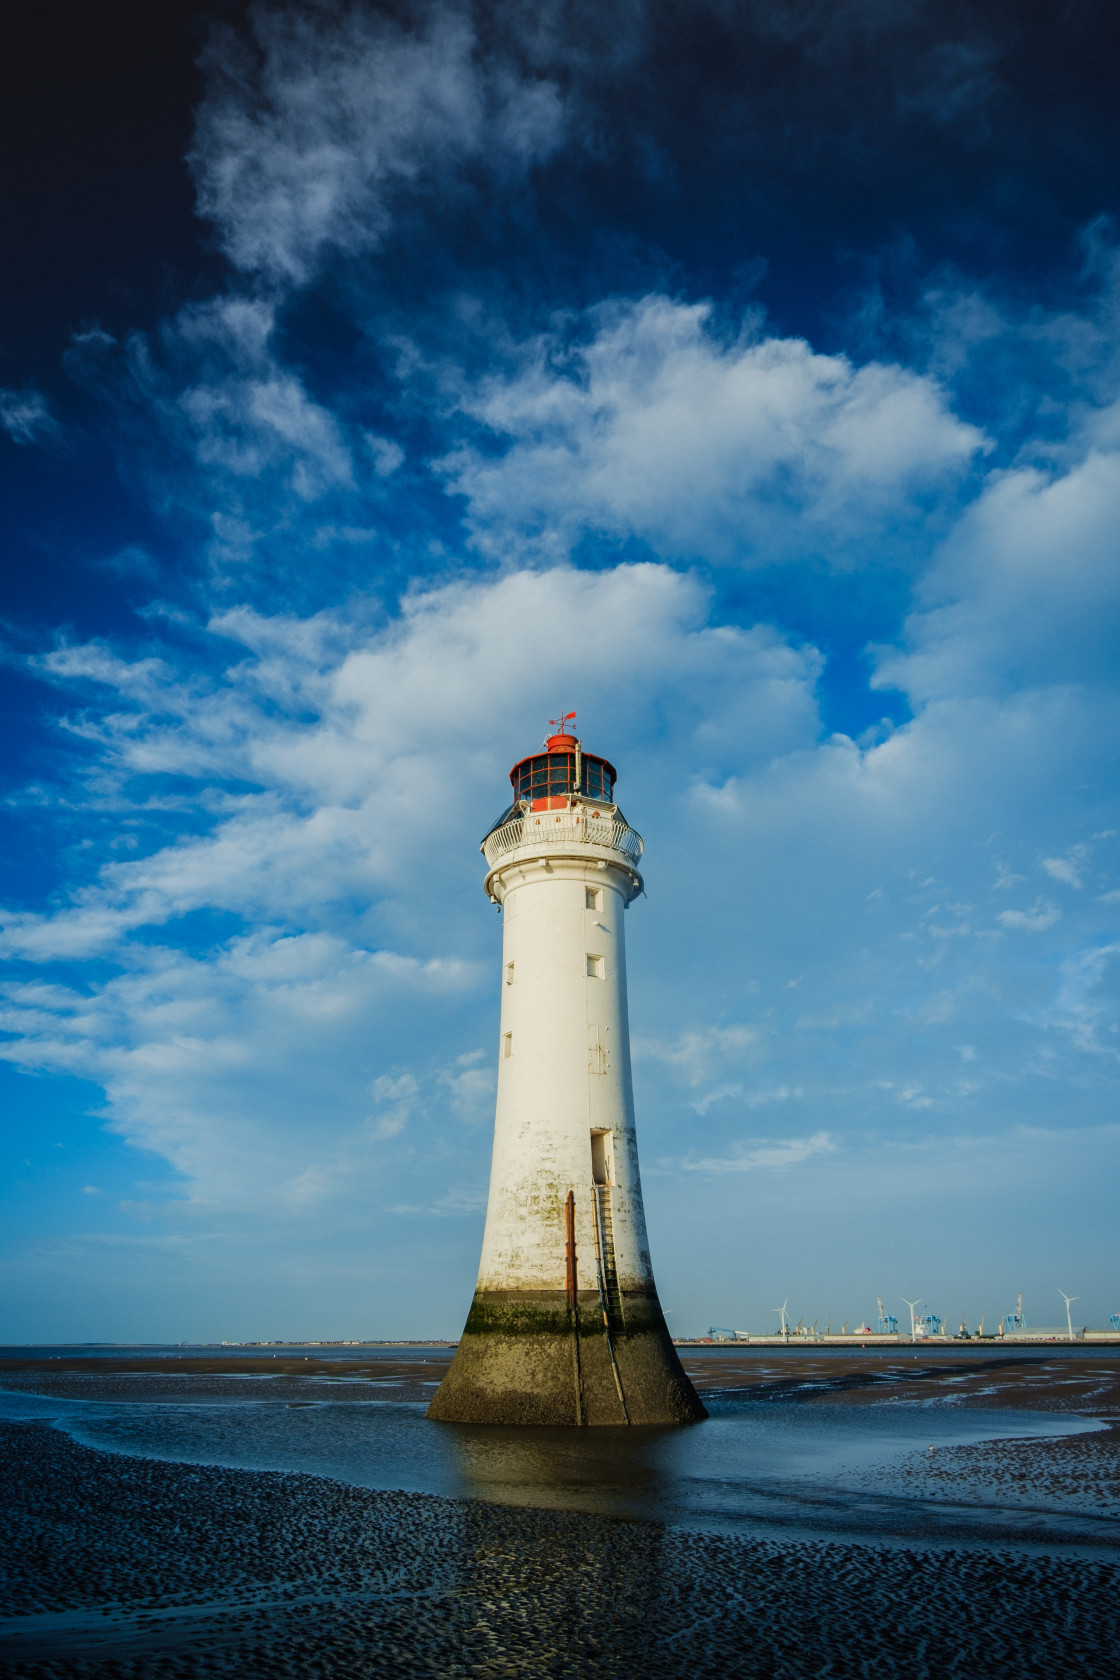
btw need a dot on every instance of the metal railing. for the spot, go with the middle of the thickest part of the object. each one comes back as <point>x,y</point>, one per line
<point>567,827</point>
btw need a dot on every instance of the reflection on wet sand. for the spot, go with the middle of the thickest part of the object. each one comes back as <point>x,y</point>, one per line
<point>814,1443</point>
<point>772,1479</point>
<point>614,1471</point>
<point>130,1568</point>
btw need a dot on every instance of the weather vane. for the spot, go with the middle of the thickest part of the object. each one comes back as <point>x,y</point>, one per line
<point>557,724</point>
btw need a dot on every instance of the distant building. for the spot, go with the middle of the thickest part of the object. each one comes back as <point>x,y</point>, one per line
<point>1047,1333</point>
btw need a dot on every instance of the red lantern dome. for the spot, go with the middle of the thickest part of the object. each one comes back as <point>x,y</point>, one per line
<point>550,780</point>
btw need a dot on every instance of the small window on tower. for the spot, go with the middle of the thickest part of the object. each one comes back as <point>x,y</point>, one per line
<point>595,967</point>
<point>509,974</point>
<point>593,898</point>
<point>507,1045</point>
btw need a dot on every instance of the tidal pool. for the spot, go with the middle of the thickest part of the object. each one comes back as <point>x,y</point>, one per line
<point>752,1467</point>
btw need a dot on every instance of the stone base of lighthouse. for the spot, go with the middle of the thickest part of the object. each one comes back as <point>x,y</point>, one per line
<point>534,1357</point>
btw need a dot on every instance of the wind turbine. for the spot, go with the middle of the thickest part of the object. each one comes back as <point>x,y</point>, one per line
<point>1067,1299</point>
<point>782,1310</point>
<point>911,1305</point>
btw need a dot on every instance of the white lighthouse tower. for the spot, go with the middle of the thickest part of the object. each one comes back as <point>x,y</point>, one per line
<point>565,1326</point>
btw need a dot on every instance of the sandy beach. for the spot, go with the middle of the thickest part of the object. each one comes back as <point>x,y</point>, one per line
<point>128,1567</point>
<point>1086,1381</point>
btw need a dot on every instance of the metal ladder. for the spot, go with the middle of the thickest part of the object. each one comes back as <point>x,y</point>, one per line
<point>604,1231</point>
<point>610,1297</point>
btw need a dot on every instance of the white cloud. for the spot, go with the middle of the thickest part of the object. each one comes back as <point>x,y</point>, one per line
<point>697,1050</point>
<point>222,393</point>
<point>25,416</point>
<point>387,455</point>
<point>1024,594</point>
<point>1067,869</point>
<point>389,1087</point>
<point>394,1095</point>
<point>779,1093</point>
<point>343,785</point>
<point>243,1069</point>
<point>345,734</point>
<point>324,1014</point>
<point>1087,1004</point>
<point>471,1085</point>
<point>308,134</point>
<point>764,1153</point>
<point>744,452</point>
<point>1040,916</point>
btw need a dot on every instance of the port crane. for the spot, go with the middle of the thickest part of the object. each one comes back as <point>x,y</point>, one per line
<point>1015,1321</point>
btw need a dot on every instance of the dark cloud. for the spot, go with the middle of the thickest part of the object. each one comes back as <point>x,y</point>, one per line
<point>701,137</point>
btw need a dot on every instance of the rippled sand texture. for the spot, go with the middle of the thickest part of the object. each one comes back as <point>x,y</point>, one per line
<point>989,1377</point>
<point>132,1568</point>
<point>1079,1474</point>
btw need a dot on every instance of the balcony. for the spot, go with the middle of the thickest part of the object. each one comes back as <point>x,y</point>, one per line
<point>564,828</point>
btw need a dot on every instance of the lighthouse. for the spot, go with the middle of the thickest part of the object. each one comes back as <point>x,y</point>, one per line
<point>565,1326</point>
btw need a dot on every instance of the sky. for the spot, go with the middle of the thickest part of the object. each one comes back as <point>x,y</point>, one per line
<point>377,379</point>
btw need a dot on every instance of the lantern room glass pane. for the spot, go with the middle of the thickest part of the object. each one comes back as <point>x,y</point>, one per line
<point>552,775</point>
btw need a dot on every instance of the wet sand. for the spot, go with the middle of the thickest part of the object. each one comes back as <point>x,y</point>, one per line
<point>177,1378</point>
<point>130,1568</point>
<point>1079,1381</point>
<point>1084,1382</point>
<point>1075,1474</point>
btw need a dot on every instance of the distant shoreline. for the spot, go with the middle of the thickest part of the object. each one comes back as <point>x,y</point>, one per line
<point>1099,1340</point>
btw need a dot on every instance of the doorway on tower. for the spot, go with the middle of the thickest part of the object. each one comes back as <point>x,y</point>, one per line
<point>610,1296</point>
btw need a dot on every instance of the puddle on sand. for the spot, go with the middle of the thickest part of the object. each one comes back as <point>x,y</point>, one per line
<point>750,1468</point>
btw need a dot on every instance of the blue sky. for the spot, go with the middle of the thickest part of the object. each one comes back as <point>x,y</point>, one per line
<point>375,380</point>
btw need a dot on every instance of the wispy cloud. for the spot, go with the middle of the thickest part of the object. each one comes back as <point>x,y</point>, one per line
<point>310,133</point>
<point>1086,1005</point>
<point>697,1050</point>
<point>1067,869</point>
<point>26,416</point>
<point>763,1154</point>
<point>1037,919</point>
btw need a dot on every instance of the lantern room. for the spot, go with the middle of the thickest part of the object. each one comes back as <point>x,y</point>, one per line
<point>548,781</point>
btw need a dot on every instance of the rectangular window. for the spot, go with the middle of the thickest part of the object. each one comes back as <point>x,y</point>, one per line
<point>593,898</point>
<point>509,974</point>
<point>600,1157</point>
<point>507,1046</point>
<point>596,967</point>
